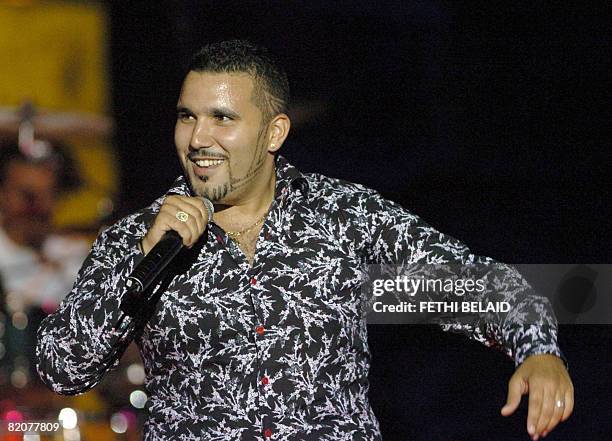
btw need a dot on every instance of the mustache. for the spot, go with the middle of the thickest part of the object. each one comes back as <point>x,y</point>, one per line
<point>204,152</point>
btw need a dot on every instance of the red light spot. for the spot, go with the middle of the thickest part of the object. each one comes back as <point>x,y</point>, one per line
<point>13,416</point>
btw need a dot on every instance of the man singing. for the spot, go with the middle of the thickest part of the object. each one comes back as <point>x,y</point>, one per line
<point>258,332</point>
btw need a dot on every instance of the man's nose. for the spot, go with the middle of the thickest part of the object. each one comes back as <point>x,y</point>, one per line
<point>201,136</point>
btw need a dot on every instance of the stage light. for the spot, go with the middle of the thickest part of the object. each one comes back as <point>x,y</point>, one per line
<point>138,399</point>
<point>68,418</point>
<point>136,373</point>
<point>13,416</point>
<point>119,423</point>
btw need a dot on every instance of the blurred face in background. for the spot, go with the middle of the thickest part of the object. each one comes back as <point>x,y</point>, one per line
<point>28,197</point>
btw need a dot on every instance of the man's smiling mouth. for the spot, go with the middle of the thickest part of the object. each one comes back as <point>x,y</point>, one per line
<point>208,162</point>
<point>204,168</point>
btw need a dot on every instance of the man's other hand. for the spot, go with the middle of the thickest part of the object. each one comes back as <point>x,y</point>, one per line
<point>551,393</point>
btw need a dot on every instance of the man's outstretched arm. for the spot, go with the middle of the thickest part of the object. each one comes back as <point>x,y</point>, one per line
<point>527,333</point>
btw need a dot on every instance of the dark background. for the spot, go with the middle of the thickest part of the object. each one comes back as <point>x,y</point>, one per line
<point>489,120</point>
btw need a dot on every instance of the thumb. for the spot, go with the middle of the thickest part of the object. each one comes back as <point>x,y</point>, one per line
<point>516,388</point>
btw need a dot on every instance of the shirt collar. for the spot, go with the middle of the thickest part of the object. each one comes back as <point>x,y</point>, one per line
<point>287,177</point>
<point>180,186</point>
<point>290,178</point>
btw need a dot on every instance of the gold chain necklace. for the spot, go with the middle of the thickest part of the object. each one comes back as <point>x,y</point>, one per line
<point>236,234</point>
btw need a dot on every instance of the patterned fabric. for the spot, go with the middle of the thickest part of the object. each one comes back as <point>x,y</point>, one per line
<point>274,351</point>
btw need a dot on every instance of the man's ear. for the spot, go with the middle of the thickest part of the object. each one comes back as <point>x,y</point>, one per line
<point>279,129</point>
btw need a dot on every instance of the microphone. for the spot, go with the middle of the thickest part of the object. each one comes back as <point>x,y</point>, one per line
<point>153,264</point>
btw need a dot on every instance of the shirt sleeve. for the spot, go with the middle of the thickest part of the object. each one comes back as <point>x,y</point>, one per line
<point>397,236</point>
<point>88,333</point>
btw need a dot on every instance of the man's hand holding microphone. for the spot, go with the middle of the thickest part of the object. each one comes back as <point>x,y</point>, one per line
<point>181,221</point>
<point>186,215</point>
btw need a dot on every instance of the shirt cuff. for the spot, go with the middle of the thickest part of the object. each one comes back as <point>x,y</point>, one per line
<point>537,340</point>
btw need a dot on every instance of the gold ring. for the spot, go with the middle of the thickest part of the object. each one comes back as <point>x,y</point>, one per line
<point>182,216</point>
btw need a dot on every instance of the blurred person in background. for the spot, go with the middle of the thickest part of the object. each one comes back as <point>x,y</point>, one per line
<point>38,265</point>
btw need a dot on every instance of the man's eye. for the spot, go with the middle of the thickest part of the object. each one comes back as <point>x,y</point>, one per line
<point>185,117</point>
<point>222,118</point>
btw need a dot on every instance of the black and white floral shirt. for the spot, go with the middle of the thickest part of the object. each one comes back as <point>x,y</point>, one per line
<point>274,351</point>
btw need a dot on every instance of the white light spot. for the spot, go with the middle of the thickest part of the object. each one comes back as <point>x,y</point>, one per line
<point>105,207</point>
<point>68,418</point>
<point>119,423</point>
<point>31,437</point>
<point>138,399</point>
<point>136,373</point>
<point>20,320</point>
<point>19,378</point>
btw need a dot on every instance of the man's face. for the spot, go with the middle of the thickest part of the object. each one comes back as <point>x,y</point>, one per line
<point>28,198</point>
<point>220,136</point>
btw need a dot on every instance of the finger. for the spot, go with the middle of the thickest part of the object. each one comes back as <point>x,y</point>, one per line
<point>547,410</point>
<point>171,200</point>
<point>194,221</point>
<point>516,388</point>
<point>166,220</point>
<point>569,403</point>
<point>195,218</point>
<point>170,222</point>
<point>556,416</point>
<point>535,406</point>
<point>197,209</point>
<point>202,212</point>
<point>199,204</point>
<point>163,223</point>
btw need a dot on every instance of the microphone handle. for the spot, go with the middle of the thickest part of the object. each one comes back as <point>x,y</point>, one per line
<point>149,269</point>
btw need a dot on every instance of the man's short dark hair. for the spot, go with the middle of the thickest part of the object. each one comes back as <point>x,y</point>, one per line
<point>270,83</point>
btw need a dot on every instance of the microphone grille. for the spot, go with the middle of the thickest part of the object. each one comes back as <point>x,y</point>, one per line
<point>210,208</point>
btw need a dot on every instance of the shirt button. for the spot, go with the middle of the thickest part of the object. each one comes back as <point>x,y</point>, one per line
<point>253,281</point>
<point>265,380</point>
<point>267,433</point>
<point>260,330</point>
